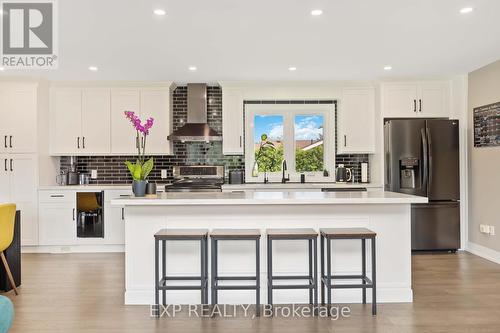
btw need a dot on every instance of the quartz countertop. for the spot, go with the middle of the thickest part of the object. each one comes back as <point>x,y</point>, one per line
<point>298,186</point>
<point>271,198</point>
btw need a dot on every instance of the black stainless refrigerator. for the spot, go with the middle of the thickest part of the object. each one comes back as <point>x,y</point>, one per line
<point>422,158</point>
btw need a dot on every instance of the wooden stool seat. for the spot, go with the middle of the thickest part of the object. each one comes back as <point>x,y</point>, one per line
<point>347,233</point>
<point>182,233</point>
<point>235,233</point>
<point>305,233</point>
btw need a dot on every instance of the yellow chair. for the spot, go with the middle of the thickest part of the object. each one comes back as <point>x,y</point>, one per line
<point>7,220</point>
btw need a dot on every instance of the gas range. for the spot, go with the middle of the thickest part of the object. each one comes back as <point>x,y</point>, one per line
<point>199,178</point>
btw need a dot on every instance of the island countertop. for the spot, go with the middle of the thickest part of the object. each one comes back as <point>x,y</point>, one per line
<point>271,198</point>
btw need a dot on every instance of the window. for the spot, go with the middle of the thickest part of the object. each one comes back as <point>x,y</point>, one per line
<point>303,135</point>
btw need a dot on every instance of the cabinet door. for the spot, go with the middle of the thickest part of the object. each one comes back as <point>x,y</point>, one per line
<point>4,178</point>
<point>356,121</point>
<point>66,124</point>
<point>232,122</point>
<point>114,225</point>
<point>123,135</point>
<point>434,99</point>
<point>399,100</point>
<point>23,192</point>
<point>156,104</point>
<point>4,114</point>
<point>96,122</point>
<point>57,223</point>
<point>23,120</point>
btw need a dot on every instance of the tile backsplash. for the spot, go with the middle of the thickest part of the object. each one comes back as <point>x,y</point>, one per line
<point>112,170</point>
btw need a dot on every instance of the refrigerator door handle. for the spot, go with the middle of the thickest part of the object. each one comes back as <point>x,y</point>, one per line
<point>425,167</point>
<point>429,141</point>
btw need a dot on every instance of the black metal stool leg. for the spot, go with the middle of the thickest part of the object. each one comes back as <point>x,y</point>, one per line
<point>363,267</point>
<point>322,255</point>
<point>206,270</point>
<point>269,271</point>
<point>374,278</point>
<point>164,269</point>
<point>310,252</point>
<point>157,291</point>
<point>213,255</point>
<point>315,280</point>
<point>257,277</point>
<point>202,270</point>
<point>328,274</point>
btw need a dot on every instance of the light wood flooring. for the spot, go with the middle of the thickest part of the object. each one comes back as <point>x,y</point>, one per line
<point>84,293</point>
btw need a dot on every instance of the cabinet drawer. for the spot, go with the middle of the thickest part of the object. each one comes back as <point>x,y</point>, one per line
<point>56,196</point>
<point>116,194</point>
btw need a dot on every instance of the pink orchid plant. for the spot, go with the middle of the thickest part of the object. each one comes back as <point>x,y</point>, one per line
<point>141,169</point>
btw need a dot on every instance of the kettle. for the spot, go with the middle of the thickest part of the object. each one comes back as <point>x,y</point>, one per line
<point>343,174</point>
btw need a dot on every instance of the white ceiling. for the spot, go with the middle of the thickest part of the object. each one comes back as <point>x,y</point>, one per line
<point>260,39</point>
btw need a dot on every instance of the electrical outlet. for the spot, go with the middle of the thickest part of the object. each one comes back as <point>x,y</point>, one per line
<point>93,174</point>
<point>163,174</point>
<point>485,229</point>
<point>492,230</point>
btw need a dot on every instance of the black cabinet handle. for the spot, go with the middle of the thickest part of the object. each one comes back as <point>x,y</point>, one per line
<point>123,213</point>
<point>345,140</point>
<point>11,167</point>
<point>83,141</point>
<point>78,142</point>
<point>137,142</point>
<point>73,214</point>
<point>420,105</point>
<point>5,164</point>
<point>5,141</point>
<point>240,141</point>
<point>414,105</point>
<point>57,196</point>
<point>10,141</point>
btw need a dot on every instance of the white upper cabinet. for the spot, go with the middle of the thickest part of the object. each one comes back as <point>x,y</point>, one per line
<point>18,111</point>
<point>356,121</point>
<point>80,121</point>
<point>96,122</point>
<point>156,104</point>
<point>416,99</point>
<point>66,121</point>
<point>123,138</point>
<point>232,121</point>
<point>90,120</point>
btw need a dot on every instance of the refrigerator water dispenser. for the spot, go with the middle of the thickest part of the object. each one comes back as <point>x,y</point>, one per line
<point>408,172</point>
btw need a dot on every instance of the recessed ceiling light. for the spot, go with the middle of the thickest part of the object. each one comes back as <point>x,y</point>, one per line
<point>291,69</point>
<point>387,68</point>
<point>93,68</point>
<point>159,12</point>
<point>466,10</point>
<point>316,12</point>
<point>192,68</point>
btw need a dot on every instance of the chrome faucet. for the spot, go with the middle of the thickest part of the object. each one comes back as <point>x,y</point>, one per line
<point>283,168</point>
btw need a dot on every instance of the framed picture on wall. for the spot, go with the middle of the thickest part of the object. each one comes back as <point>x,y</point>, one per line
<point>487,125</point>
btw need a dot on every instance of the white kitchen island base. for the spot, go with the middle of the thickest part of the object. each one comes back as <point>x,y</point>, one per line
<point>386,213</point>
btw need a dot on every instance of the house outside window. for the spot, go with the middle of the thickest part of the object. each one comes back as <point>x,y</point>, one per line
<point>303,135</point>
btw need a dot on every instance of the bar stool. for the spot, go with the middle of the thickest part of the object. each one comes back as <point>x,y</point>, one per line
<point>329,235</point>
<point>165,235</point>
<point>235,234</point>
<point>312,285</point>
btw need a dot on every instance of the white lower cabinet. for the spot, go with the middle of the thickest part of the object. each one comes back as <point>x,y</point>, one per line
<point>58,215</point>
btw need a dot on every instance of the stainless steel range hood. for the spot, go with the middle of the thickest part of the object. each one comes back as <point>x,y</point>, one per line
<point>196,128</point>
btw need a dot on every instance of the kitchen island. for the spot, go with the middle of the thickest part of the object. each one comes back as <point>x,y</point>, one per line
<point>386,213</point>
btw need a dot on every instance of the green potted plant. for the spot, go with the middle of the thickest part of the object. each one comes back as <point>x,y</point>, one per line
<point>264,146</point>
<point>141,169</point>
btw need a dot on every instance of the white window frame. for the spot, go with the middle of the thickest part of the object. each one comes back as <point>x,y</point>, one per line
<point>289,111</point>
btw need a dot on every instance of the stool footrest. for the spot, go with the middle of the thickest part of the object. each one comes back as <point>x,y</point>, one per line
<point>236,278</point>
<point>180,287</point>
<point>235,287</point>
<point>292,277</point>
<point>293,286</point>
<point>179,278</point>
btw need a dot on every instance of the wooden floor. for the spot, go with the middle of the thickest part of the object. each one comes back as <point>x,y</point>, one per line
<point>84,293</point>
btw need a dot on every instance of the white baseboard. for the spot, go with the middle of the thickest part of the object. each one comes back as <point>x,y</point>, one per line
<point>484,252</point>
<point>73,249</point>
